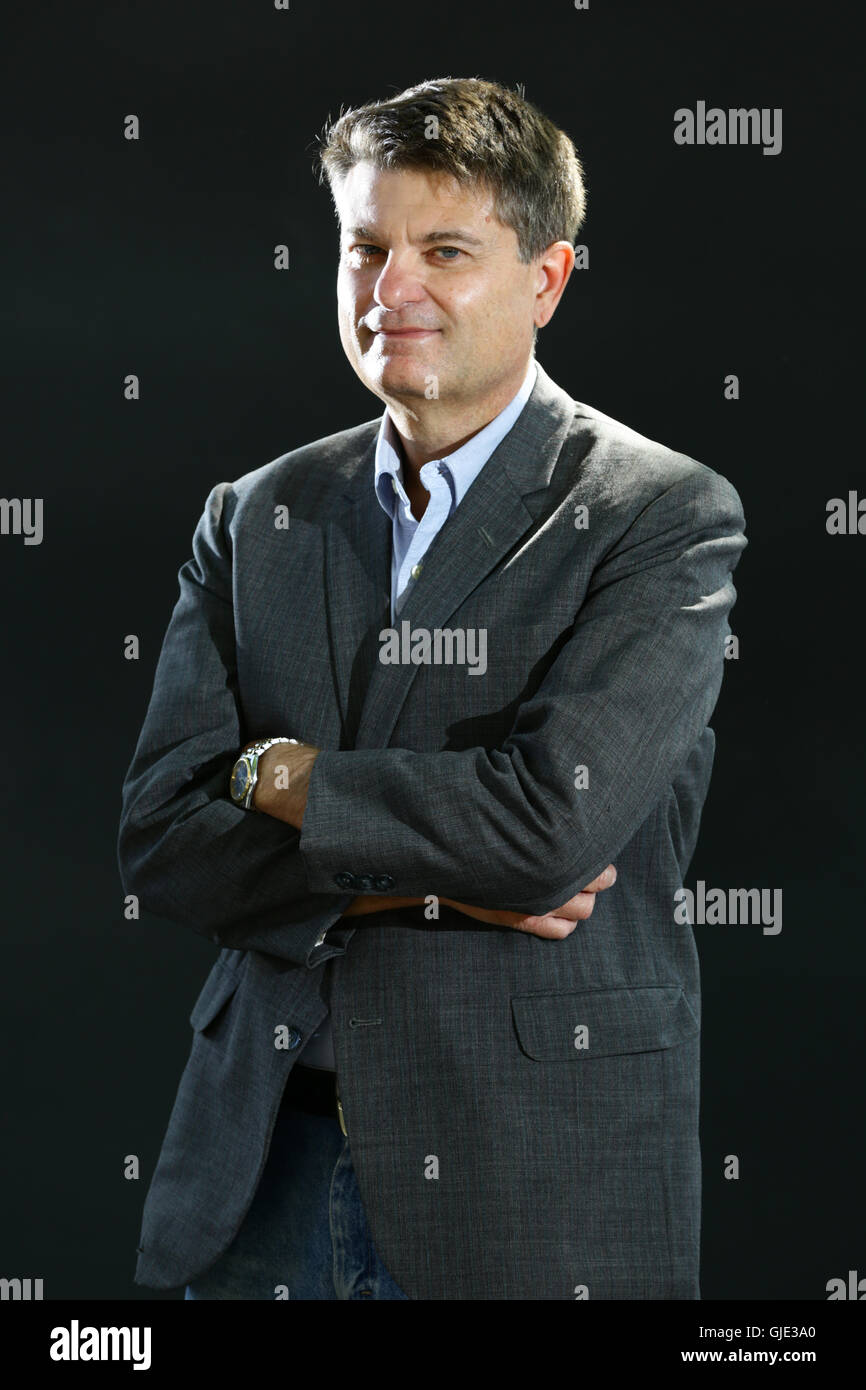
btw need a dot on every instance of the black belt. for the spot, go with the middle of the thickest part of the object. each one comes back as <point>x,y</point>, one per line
<point>314,1091</point>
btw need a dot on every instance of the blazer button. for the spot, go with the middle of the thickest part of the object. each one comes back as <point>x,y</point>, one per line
<point>345,880</point>
<point>383,883</point>
<point>364,882</point>
<point>293,1038</point>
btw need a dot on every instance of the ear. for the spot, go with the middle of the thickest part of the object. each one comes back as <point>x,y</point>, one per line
<point>554,266</point>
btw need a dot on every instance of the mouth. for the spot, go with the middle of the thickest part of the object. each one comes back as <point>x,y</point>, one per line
<point>404,332</point>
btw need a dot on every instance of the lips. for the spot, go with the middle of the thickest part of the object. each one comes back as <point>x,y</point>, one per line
<point>414,330</point>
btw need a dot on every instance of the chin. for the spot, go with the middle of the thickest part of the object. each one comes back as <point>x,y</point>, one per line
<point>395,380</point>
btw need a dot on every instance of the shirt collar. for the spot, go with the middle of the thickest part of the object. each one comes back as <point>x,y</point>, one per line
<point>464,464</point>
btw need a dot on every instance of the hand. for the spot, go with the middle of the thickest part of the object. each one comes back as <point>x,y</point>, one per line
<point>284,803</point>
<point>554,925</point>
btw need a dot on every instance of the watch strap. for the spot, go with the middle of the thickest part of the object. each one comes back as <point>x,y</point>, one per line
<point>251,757</point>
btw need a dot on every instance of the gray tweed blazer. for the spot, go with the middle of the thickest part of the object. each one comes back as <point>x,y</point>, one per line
<point>556,1083</point>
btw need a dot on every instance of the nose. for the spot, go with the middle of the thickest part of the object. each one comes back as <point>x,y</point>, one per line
<point>398,283</point>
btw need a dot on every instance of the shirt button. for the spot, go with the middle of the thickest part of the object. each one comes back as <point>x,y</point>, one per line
<point>293,1038</point>
<point>416,570</point>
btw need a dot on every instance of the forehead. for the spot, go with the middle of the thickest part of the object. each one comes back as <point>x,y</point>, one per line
<point>368,196</point>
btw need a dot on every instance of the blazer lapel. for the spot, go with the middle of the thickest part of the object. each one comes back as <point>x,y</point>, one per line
<point>357,589</point>
<point>490,519</point>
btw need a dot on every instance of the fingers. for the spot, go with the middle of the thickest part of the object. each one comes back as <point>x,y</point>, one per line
<point>560,923</point>
<point>577,909</point>
<point>556,925</point>
<point>581,905</point>
<point>606,879</point>
<point>551,927</point>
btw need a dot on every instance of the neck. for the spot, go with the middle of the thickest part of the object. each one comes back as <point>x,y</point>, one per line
<point>433,430</point>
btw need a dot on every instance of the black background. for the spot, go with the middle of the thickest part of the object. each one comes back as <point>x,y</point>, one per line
<point>155,257</point>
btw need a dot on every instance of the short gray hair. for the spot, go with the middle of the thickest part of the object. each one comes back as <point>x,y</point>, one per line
<point>478,132</point>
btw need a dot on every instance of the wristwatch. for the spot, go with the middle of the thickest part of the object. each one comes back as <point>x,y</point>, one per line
<point>245,773</point>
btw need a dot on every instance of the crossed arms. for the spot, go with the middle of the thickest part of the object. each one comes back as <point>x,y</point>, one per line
<point>628,694</point>
<point>281,791</point>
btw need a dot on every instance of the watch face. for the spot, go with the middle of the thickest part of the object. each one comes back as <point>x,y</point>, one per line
<point>241,778</point>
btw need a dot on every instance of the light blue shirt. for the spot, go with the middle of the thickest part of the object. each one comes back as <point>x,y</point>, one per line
<point>447,480</point>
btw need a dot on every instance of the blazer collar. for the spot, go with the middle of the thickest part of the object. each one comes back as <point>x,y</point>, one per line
<point>490,520</point>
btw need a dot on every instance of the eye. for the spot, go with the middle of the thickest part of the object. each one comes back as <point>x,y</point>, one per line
<point>366,251</point>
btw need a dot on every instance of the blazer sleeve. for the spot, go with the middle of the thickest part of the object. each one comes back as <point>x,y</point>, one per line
<point>627,696</point>
<point>184,848</point>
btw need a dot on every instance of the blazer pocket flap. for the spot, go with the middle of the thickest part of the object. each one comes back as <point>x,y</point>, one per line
<point>593,1023</point>
<point>219,986</point>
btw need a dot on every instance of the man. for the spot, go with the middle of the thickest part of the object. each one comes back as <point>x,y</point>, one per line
<point>426,680</point>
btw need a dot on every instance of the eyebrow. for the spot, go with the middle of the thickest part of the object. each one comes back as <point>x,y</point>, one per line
<point>448,234</point>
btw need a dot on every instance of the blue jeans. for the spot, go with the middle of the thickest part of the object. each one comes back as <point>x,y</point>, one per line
<point>306,1230</point>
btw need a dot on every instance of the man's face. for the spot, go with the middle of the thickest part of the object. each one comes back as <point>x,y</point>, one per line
<point>433,301</point>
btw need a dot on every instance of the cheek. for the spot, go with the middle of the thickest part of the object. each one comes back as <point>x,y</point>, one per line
<point>346,288</point>
<point>346,316</point>
<point>488,305</point>
<point>491,317</point>
<point>353,300</point>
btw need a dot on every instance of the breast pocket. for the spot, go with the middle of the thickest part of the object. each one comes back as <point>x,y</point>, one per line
<point>218,988</point>
<point>583,1025</point>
